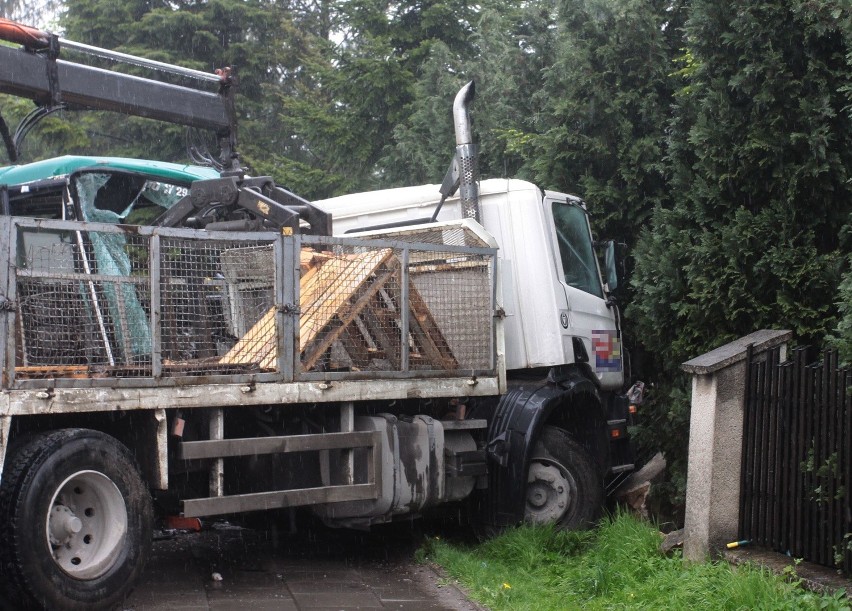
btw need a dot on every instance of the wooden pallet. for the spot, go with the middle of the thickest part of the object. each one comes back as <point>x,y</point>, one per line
<point>354,300</point>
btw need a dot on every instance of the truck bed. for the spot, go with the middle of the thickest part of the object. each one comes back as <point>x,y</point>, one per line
<point>102,317</point>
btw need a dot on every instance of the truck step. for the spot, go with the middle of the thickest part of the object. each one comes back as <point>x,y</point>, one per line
<point>278,499</point>
<point>251,446</point>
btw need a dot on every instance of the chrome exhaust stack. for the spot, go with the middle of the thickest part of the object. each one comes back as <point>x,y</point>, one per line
<point>463,174</point>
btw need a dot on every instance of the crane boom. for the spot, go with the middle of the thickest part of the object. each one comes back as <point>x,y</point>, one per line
<point>26,75</point>
<point>35,71</point>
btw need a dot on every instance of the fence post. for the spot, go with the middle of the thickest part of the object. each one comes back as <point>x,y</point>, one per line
<point>716,442</point>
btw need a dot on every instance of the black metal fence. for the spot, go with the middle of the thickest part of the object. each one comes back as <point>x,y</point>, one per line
<point>796,490</point>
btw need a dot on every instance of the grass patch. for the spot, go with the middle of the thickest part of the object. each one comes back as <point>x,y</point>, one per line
<point>617,566</point>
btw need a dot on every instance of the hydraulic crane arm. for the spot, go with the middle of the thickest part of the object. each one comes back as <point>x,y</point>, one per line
<point>25,75</point>
<point>35,72</point>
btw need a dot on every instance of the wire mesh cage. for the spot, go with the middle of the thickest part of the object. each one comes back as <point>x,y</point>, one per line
<point>400,308</point>
<point>98,301</point>
<point>82,301</point>
<point>212,293</point>
<point>456,286</point>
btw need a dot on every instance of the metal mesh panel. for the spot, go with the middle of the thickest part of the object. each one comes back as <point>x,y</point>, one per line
<point>455,290</point>
<point>445,235</point>
<point>356,303</point>
<point>213,294</point>
<point>83,304</point>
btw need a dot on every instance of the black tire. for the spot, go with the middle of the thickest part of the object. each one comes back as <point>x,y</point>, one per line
<point>563,484</point>
<point>50,556</point>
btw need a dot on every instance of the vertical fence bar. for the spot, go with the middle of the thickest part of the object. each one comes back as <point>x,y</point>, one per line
<point>807,504</point>
<point>287,270</point>
<point>801,451</point>
<point>846,442</point>
<point>347,455</point>
<point>759,448</point>
<point>769,452</point>
<point>292,365</point>
<point>822,457</point>
<point>757,383</point>
<point>154,277</point>
<point>216,431</point>
<point>494,321</point>
<point>788,454</point>
<point>11,296</point>
<point>748,450</point>
<point>766,451</point>
<point>811,531</point>
<point>7,278</point>
<point>834,456</point>
<point>404,311</point>
<point>843,461</point>
<point>777,465</point>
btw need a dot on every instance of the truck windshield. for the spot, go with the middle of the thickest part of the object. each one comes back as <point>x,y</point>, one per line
<point>575,248</point>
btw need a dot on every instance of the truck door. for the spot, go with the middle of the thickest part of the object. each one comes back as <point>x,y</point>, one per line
<point>588,317</point>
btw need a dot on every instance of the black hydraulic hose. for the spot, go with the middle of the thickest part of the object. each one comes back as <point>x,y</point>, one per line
<point>8,141</point>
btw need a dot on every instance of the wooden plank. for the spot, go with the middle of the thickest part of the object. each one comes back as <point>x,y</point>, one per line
<point>38,372</point>
<point>345,314</point>
<point>375,320</point>
<point>254,345</point>
<point>356,345</point>
<point>310,260</point>
<point>340,280</point>
<point>426,332</point>
<point>322,292</point>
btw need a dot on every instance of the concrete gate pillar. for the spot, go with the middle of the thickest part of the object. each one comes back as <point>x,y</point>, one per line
<point>716,442</point>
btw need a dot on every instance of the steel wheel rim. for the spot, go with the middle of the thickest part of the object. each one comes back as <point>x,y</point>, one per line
<point>551,492</point>
<point>86,524</point>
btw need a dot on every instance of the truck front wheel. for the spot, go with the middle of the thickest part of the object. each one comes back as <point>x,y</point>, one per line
<point>563,485</point>
<point>76,521</point>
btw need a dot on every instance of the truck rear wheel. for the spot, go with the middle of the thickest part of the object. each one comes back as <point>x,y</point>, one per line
<point>563,485</point>
<point>76,521</point>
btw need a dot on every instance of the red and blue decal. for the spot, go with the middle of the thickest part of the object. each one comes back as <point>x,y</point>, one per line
<point>607,349</point>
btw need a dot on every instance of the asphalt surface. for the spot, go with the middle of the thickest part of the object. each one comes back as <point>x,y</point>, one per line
<point>227,567</point>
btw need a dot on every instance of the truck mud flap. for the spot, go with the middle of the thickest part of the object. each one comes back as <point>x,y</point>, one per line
<point>518,420</point>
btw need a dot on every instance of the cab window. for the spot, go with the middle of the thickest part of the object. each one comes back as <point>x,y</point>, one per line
<point>575,248</point>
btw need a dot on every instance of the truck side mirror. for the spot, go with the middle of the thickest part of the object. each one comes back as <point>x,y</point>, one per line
<point>612,265</point>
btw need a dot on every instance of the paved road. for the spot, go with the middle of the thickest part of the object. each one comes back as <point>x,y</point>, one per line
<point>262,570</point>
